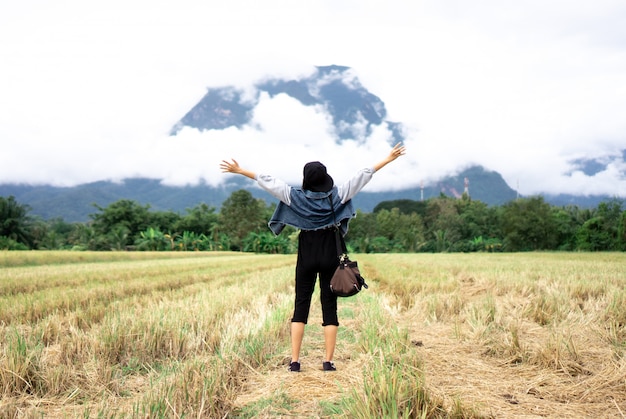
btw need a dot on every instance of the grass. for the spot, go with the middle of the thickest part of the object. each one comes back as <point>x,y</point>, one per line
<point>119,334</point>
<point>393,384</point>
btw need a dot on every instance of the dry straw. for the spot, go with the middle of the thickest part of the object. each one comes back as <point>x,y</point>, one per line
<point>207,335</point>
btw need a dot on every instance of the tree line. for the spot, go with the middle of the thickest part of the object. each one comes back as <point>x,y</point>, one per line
<point>441,224</point>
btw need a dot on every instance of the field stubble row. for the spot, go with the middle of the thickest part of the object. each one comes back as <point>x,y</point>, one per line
<point>529,334</point>
<point>123,320</point>
<point>549,326</point>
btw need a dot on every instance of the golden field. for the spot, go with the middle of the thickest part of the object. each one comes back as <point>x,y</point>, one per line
<point>206,334</point>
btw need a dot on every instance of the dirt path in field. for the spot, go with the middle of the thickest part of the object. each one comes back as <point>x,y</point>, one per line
<point>456,371</point>
<point>305,390</point>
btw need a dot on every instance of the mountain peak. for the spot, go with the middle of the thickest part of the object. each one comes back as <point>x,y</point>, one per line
<point>353,109</point>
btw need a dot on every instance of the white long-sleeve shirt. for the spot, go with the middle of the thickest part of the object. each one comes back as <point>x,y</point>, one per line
<point>282,191</point>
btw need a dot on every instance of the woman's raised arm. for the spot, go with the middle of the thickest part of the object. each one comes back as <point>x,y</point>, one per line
<point>233,167</point>
<point>397,151</point>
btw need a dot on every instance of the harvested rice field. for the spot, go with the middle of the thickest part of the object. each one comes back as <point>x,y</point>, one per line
<point>168,334</point>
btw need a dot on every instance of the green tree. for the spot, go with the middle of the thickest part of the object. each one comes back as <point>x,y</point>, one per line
<point>566,221</point>
<point>82,237</point>
<point>528,224</point>
<point>405,206</point>
<point>200,219</point>
<point>380,244</point>
<point>477,219</point>
<point>441,241</point>
<point>118,238</point>
<point>388,223</point>
<point>404,232</point>
<point>411,234</point>
<point>164,220</point>
<point>241,214</point>
<point>478,227</point>
<point>362,229</point>
<point>51,239</point>
<point>40,232</point>
<point>442,222</point>
<point>15,223</point>
<point>124,214</point>
<point>10,244</point>
<point>385,230</point>
<point>604,230</point>
<point>55,233</point>
<point>621,232</point>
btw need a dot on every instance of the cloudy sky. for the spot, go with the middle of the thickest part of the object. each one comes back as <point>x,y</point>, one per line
<point>90,90</point>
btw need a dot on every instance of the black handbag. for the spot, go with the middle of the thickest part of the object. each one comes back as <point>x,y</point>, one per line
<point>347,280</point>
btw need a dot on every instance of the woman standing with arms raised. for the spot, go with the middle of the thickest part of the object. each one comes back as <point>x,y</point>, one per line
<point>309,209</point>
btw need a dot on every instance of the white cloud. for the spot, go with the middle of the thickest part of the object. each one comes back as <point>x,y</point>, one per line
<point>90,91</point>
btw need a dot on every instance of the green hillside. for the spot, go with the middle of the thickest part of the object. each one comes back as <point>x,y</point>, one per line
<point>76,203</point>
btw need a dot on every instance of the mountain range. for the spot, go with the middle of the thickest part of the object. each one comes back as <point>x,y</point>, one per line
<point>355,112</point>
<point>75,204</point>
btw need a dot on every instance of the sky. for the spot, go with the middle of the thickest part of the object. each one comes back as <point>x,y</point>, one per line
<point>90,90</point>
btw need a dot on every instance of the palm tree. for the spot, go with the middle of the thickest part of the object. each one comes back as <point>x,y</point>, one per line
<point>118,238</point>
<point>15,222</point>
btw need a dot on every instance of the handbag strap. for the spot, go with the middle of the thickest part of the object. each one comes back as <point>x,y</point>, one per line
<point>338,239</point>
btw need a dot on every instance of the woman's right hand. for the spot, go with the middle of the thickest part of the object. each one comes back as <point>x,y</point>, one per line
<point>233,167</point>
<point>230,167</point>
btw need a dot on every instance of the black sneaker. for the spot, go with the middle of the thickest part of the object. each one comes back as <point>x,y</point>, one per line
<point>294,367</point>
<point>329,366</point>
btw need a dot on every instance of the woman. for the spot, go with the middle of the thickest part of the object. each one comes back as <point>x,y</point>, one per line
<point>309,209</point>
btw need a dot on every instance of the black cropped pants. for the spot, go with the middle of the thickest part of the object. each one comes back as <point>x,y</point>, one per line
<point>317,255</point>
